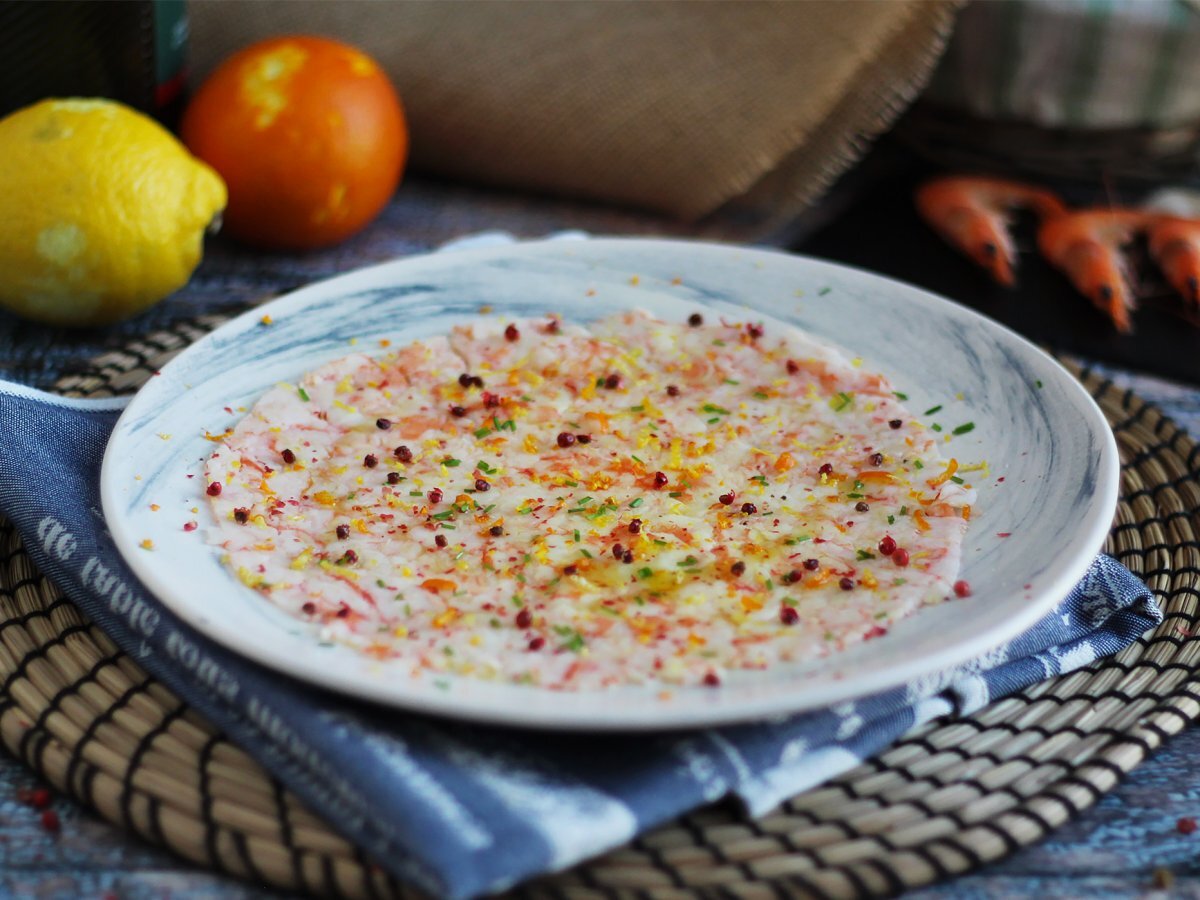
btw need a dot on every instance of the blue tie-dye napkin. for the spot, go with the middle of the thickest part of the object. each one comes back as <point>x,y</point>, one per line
<point>460,809</point>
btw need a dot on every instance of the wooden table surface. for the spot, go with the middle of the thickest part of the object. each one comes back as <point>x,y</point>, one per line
<point>1113,849</point>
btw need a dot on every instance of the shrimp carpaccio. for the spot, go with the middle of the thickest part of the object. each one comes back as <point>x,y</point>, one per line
<point>635,502</point>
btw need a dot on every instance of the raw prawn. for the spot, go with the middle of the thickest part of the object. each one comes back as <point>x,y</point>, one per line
<point>973,214</point>
<point>1086,246</point>
<point>1175,248</point>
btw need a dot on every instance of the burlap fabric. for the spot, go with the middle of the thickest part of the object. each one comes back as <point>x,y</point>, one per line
<point>680,108</point>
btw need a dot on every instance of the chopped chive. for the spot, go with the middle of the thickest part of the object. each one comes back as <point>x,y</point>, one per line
<point>713,408</point>
<point>584,501</point>
<point>517,601</point>
<point>904,510</point>
<point>864,554</point>
<point>585,553</point>
<point>769,584</point>
<point>936,427</point>
<point>891,520</point>
<point>481,433</point>
<point>645,572</point>
<point>964,428</point>
<point>483,467</point>
<point>718,343</point>
<point>900,395</point>
<point>304,394</point>
<point>1038,383</point>
<point>639,408</point>
<point>442,516</point>
<point>956,479</point>
<point>635,502</point>
<point>713,420</point>
<point>918,464</point>
<point>823,291</point>
<point>487,509</point>
<point>635,458</point>
<point>577,535</point>
<point>416,493</point>
<point>448,527</point>
<point>575,644</point>
<point>674,494</point>
<point>731,381</point>
<point>688,561</point>
<point>451,463</point>
<point>856,496</point>
<point>933,409</point>
<point>841,401</point>
<point>761,396</point>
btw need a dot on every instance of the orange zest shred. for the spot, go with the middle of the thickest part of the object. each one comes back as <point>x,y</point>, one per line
<point>939,480</point>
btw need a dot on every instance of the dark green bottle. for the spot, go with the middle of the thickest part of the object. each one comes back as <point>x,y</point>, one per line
<point>133,51</point>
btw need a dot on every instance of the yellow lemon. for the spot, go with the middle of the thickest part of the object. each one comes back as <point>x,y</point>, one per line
<point>102,211</point>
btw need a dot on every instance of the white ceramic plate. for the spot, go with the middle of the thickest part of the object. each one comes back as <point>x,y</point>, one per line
<point>1038,429</point>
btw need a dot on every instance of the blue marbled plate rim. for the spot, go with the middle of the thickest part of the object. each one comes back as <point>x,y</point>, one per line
<point>900,330</point>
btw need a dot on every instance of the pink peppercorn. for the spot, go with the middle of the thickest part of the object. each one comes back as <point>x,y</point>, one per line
<point>383,424</point>
<point>288,456</point>
<point>214,489</point>
<point>660,479</point>
<point>50,820</point>
<point>846,584</point>
<point>962,589</point>
<point>826,469</point>
<point>789,616</point>
<point>900,556</point>
<point>792,367</point>
<point>435,496</point>
<point>458,411</point>
<point>812,564</point>
<point>565,439</point>
<point>524,618</point>
<point>370,460</point>
<point>712,679</point>
<point>749,509</point>
<point>481,485</point>
<point>440,540</point>
<point>887,546</point>
<point>537,643</point>
<point>726,499</point>
<point>343,532</point>
<point>695,320</point>
<point>403,454</point>
<point>511,333</point>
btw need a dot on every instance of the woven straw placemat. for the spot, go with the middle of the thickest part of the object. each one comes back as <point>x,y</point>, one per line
<point>945,799</point>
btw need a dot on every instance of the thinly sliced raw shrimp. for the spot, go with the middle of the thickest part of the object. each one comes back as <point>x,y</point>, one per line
<point>973,214</point>
<point>1086,246</point>
<point>1175,248</point>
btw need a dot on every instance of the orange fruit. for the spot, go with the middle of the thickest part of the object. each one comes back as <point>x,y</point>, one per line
<point>308,134</point>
